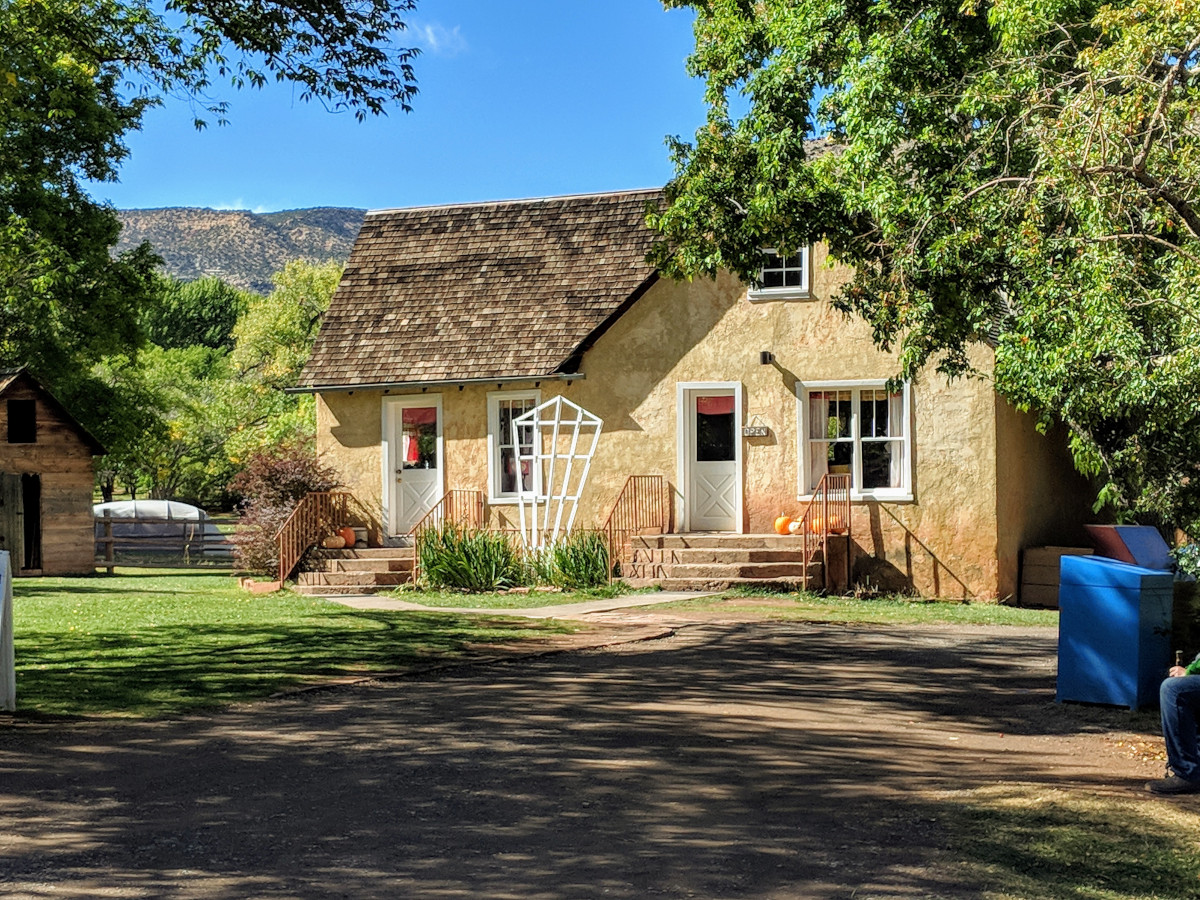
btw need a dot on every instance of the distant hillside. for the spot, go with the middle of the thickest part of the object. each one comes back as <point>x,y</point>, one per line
<point>243,248</point>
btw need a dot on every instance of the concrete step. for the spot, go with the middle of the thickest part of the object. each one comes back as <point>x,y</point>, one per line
<point>718,541</point>
<point>758,571</point>
<point>374,564</point>
<point>311,590</point>
<point>724,584</point>
<point>366,553</point>
<point>701,555</point>
<point>363,579</point>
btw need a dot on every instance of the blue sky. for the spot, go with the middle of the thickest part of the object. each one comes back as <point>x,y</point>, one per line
<point>524,99</point>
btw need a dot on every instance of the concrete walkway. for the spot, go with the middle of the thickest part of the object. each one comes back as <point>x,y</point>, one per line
<point>560,611</point>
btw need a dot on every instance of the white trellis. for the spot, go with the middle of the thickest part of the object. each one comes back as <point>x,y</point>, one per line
<point>557,452</point>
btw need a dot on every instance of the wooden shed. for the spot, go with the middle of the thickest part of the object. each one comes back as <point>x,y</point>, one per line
<point>46,481</point>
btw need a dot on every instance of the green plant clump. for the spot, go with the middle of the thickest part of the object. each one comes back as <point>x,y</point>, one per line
<point>468,560</point>
<point>578,561</point>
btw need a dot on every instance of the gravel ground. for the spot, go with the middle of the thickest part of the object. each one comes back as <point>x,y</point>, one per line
<point>718,760</point>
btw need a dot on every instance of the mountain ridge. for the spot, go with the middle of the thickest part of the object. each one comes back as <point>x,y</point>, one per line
<point>240,247</point>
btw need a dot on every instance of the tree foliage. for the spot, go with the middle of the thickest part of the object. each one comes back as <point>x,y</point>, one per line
<point>201,312</point>
<point>207,397</point>
<point>63,300</point>
<point>75,79</point>
<point>1021,173</point>
<point>276,335</point>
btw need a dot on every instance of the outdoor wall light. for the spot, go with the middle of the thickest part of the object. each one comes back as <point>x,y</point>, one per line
<point>765,357</point>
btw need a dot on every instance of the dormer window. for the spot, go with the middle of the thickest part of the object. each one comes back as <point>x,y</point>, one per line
<point>782,276</point>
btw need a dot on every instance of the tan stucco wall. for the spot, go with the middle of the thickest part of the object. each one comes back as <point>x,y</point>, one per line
<point>1041,499</point>
<point>944,542</point>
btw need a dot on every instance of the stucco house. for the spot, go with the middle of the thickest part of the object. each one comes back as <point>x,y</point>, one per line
<point>450,321</point>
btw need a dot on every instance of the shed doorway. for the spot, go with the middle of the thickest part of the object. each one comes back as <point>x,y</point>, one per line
<point>21,520</point>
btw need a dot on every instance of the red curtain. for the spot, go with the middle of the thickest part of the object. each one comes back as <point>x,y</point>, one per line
<point>714,406</point>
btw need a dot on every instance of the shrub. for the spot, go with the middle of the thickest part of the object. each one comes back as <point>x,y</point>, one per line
<point>468,560</point>
<point>254,548</point>
<point>271,484</point>
<point>282,475</point>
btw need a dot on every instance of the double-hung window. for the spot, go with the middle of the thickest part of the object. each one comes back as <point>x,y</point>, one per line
<point>783,276</point>
<point>507,473</point>
<point>860,429</point>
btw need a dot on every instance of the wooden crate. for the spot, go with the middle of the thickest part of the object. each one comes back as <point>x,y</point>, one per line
<point>1039,574</point>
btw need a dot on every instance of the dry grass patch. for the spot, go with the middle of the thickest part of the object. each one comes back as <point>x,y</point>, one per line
<point>1025,841</point>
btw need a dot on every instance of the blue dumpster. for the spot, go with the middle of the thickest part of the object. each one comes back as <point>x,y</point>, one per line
<point>1114,631</point>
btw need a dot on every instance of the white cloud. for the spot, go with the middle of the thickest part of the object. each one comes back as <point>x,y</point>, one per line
<point>439,40</point>
<point>240,204</point>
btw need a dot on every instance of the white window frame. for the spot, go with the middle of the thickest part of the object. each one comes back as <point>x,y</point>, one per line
<point>857,386</point>
<point>792,292</point>
<point>493,441</point>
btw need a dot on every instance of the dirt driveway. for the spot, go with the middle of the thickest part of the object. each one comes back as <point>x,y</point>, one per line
<point>729,760</point>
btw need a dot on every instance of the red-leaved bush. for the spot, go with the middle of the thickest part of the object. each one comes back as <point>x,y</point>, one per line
<point>271,484</point>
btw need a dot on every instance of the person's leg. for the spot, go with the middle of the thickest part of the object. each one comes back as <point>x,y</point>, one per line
<point>1179,702</point>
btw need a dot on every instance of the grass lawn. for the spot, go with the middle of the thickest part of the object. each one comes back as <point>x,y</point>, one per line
<point>160,644</point>
<point>889,610</point>
<point>507,599</point>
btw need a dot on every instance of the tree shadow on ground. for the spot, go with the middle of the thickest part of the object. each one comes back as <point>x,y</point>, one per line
<point>200,666</point>
<point>764,761</point>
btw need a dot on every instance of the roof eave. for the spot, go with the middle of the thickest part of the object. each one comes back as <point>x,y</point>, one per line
<point>386,386</point>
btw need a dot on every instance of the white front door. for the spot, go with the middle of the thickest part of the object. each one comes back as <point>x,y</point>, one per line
<point>711,459</point>
<point>412,434</point>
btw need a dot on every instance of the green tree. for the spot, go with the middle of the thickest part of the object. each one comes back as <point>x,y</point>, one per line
<point>75,78</point>
<point>201,312</point>
<point>1022,173</point>
<point>64,301</point>
<point>185,459</point>
<point>276,334</point>
<point>273,339</point>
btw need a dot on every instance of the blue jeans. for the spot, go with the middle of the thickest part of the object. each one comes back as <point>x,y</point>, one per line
<point>1179,701</point>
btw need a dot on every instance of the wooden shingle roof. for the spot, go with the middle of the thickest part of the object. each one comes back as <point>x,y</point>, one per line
<point>481,291</point>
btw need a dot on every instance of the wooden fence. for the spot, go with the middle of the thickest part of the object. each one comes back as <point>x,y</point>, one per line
<point>151,542</point>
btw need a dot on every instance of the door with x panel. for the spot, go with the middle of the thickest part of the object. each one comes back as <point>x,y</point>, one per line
<point>712,465</point>
<point>413,431</point>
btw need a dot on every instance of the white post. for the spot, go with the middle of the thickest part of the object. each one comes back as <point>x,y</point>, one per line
<point>8,675</point>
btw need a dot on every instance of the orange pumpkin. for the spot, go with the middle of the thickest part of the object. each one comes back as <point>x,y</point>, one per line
<point>836,526</point>
<point>782,523</point>
<point>348,535</point>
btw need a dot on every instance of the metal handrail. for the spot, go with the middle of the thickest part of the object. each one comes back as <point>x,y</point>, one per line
<point>458,507</point>
<point>828,512</point>
<point>314,517</point>
<point>641,506</point>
